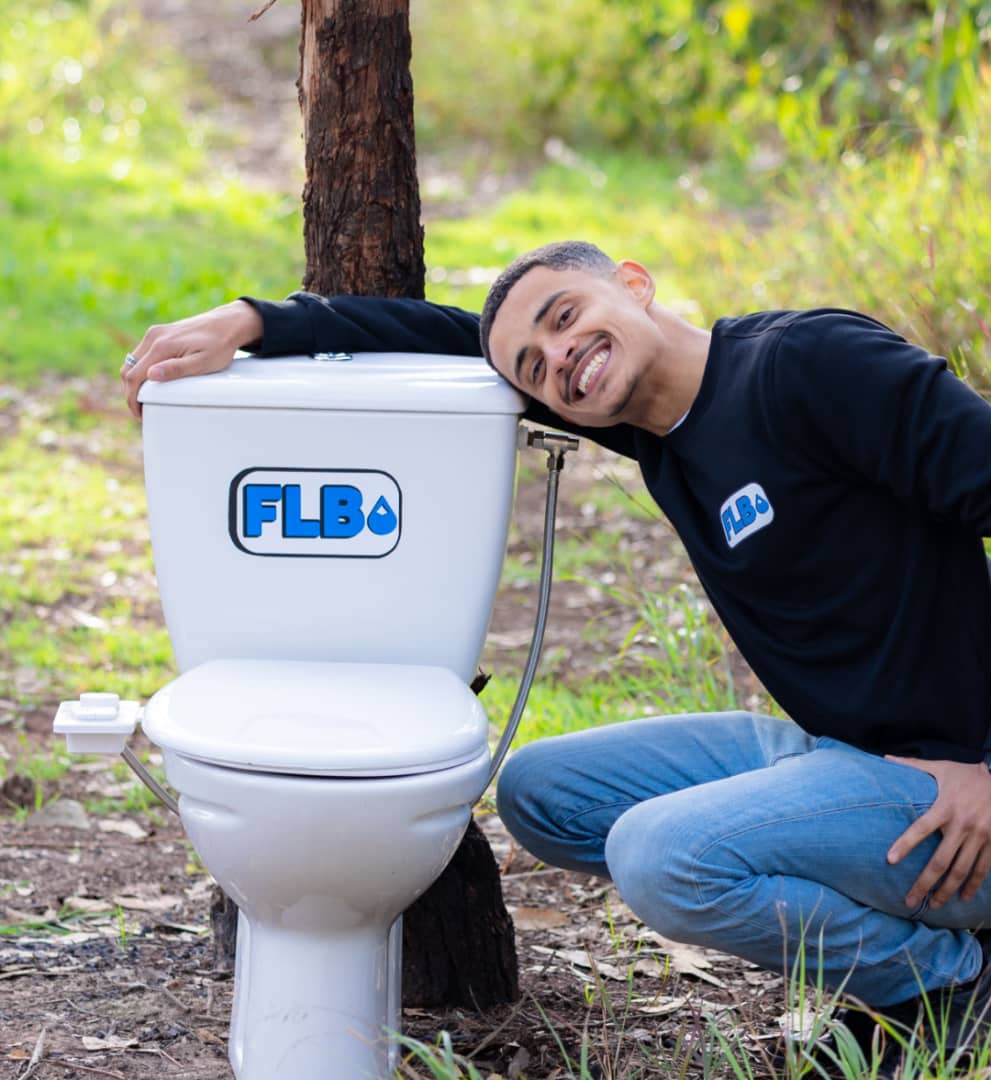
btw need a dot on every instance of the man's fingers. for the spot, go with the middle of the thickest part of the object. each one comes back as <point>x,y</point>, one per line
<point>132,375</point>
<point>159,363</point>
<point>938,865</point>
<point>177,367</point>
<point>924,826</point>
<point>963,863</point>
<point>978,874</point>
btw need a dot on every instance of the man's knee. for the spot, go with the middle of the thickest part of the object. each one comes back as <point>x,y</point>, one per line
<point>552,808</point>
<point>651,856</point>
<point>521,791</point>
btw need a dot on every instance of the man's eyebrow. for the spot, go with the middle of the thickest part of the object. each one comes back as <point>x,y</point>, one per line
<point>547,305</point>
<point>544,308</point>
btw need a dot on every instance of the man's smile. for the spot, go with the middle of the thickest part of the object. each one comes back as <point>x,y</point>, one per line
<point>589,369</point>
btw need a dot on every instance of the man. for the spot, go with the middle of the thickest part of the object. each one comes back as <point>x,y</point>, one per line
<point>831,483</point>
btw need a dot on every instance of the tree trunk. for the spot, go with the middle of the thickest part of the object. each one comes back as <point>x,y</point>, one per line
<point>361,210</point>
<point>458,944</point>
<point>361,203</point>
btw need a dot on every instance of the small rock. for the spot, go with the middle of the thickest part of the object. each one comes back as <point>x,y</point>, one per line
<point>63,813</point>
<point>17,790</point>
<point>127,827</point>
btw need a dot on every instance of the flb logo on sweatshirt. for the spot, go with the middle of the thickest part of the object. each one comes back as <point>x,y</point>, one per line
<point>745,512</point>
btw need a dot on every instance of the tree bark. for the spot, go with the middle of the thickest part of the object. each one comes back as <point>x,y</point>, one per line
<point>361,210</point>
<point>361,203</point>
<point>458,943</point>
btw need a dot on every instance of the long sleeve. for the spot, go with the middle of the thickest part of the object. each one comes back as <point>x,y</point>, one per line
<point>308,323</point>
<point>864,401</point>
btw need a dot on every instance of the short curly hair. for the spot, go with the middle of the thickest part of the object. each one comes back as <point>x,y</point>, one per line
<point>563,255</point>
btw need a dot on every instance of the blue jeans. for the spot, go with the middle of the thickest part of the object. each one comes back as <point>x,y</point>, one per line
<point>745,834</point>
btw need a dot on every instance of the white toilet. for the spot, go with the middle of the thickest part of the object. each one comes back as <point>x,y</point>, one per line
<point>328,536</point>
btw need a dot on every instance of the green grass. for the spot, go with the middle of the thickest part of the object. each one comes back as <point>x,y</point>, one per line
<point>137,797</point>
<point>103,238</point>
<point>114,215</point>
<point>76,592</point>
<point>89,262</point>
<point>675,658</point>
<point>723,1045</point>
<point>902,233</point>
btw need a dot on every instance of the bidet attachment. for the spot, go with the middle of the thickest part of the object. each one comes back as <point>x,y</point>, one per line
<point>99,723</point>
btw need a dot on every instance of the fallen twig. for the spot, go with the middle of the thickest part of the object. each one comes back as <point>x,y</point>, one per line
<point>36,1055</point>
<point>93,1069</point>
<point>261,11</point>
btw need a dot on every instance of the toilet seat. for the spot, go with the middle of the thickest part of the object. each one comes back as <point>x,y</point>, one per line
<point>319,719</point>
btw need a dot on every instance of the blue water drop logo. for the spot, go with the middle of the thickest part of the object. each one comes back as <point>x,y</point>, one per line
<point>762,505</point>
<point>381,518</point>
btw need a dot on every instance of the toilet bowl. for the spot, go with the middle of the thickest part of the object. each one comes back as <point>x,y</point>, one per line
<point>324,799</point>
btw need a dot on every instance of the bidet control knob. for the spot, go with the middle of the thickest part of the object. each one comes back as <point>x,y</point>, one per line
<point>98,723</point>
<point>97,705</point>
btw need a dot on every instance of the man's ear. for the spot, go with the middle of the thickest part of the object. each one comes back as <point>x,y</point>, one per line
<point>637,280</point>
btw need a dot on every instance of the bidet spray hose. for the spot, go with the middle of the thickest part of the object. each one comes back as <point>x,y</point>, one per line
<point>556,446</point>
<point>149,781</point>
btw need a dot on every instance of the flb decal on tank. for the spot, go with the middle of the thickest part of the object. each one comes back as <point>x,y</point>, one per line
<point>315,513</point>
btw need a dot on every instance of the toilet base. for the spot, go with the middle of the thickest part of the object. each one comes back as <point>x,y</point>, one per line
<point>320,868</point>
<point>356,980</point>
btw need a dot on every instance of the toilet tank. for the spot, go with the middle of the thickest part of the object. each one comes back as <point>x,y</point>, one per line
<point>339,508</point>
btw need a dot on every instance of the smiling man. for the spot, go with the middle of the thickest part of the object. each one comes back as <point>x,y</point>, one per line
<point>583,335</point>
<point>831,483</point>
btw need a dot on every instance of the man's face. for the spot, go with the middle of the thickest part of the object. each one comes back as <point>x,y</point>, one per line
<point>577,342</point>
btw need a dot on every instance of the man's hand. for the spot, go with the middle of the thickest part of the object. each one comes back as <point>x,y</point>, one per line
<point>194,346</point>
<point>962,813</point>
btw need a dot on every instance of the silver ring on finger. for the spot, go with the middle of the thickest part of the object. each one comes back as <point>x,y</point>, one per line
<point>130,360</point>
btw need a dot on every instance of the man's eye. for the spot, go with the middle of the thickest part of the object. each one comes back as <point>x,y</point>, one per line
<point>538,367</point>
<point>564,316</point>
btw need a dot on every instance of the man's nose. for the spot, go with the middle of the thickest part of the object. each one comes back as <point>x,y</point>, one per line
<point>560,353</point>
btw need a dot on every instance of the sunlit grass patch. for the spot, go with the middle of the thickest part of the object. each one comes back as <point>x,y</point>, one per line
<point>114,216</point>
<point>115,256</point>
<point>676,658</point>
<point>76,588</point>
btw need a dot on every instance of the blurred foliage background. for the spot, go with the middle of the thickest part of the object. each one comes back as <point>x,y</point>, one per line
<point>755,154</point>
<point>700,78</point>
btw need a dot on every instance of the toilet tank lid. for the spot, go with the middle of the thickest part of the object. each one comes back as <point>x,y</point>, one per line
<point>378,382</point>
<point>321,719</point>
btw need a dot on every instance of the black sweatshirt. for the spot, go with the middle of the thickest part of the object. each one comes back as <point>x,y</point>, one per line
<point>831,484</point>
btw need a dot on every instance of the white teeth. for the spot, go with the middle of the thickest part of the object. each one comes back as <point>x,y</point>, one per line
<point>592,369</point>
